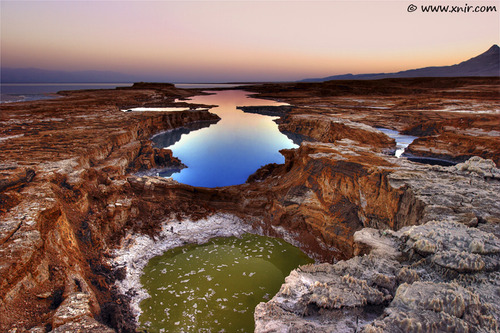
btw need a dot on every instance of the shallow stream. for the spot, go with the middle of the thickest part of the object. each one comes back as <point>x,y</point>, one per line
<point>402,140</point>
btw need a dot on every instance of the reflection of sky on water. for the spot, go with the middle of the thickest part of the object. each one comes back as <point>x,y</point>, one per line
<point>207,85</point>
<point>228,152</point>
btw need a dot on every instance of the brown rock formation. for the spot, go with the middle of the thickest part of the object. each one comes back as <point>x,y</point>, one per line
<point>325,128</point>
<point>67,197</point>
<point>321,212</point>
<point>61,166</point>
<point>437,276</point>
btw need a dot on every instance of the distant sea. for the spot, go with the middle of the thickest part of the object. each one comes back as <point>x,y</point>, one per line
<point>21,92</point>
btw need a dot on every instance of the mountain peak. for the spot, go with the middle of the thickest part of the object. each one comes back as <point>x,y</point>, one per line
<point>494,49</point>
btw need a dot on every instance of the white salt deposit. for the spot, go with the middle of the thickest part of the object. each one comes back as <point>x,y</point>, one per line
<point>5,138</point>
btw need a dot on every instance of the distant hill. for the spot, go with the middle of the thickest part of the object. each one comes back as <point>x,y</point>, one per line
<point>36,75</point>
<point>485,64</point>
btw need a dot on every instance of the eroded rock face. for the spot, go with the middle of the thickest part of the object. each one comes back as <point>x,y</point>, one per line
<point>74,307</point>
<point>353,188</point>
<point>346,193</point>
<point>83,324</point>
<point>459,140</point>
<point>325,128</point>
<point>457,291</point>
<point>317,199</point>
<point>62,197</point>
<point>417,290</point>
<point>432,272</point>
<point>330,298</point>
<point>455,246</point>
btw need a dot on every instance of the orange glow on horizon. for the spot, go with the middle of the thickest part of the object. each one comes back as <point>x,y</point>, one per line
<point>238,40</point>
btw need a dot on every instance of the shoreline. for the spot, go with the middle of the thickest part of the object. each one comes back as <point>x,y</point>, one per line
<point>139,249</point>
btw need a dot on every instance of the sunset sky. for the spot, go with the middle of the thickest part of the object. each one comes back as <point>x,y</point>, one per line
<point>217,41</point>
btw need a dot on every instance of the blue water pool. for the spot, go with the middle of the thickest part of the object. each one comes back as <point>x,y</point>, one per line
<point>228,152</point>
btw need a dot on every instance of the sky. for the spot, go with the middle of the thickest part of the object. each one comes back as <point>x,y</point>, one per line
<point>221,41</point>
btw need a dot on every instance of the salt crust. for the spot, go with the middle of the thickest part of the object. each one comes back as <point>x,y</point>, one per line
<point>136,250</point>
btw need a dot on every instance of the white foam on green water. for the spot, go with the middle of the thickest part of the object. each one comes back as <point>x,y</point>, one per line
<point>215,286</point>
<point>179,285</point>
<point>136,250</point>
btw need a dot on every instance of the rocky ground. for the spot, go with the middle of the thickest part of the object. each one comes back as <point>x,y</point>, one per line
<point>418,244</point>
<point>440,276</point>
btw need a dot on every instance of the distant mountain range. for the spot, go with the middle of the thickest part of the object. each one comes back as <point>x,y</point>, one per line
<point>485,64</point>
<point>36,75</point>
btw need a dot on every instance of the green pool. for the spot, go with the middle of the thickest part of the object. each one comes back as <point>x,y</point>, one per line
<point>215,287</point>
